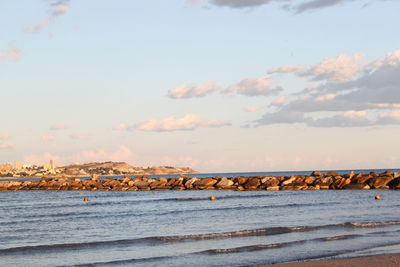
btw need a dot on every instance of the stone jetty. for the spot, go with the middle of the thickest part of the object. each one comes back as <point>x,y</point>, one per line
<point>315,181</point>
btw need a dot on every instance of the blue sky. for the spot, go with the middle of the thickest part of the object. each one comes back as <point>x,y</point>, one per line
<point>218,85</point>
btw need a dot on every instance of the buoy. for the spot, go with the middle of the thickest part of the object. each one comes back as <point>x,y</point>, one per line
<point>213,198</point>
<point>86,199</point>
<point>377,197</point>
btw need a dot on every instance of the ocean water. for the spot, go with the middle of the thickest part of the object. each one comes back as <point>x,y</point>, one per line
<point>185,228</point>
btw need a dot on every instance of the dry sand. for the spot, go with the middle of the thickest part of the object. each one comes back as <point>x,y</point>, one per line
<point>387,260</point>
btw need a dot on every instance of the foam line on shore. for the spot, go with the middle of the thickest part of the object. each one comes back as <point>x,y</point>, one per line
<point>179,238</point>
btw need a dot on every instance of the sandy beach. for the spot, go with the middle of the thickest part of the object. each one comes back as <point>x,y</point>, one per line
<point>386,260</point>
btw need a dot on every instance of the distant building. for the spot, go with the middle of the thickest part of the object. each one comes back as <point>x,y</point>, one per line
<point>18,165</point>
<point>52,165</point>
<point>6,167</point>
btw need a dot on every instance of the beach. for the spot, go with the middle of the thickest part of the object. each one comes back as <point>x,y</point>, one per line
<point>387,260</point>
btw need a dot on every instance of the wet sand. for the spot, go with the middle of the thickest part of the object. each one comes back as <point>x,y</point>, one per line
<point>386,260</point>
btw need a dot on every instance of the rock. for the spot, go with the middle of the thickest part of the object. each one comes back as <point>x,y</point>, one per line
<point>205,182</point>
<point>316,173</point>
<point>362,179</point>
<point>300,187</point>
<point>264,179</point>
<point>339,182</point>
<point>288,181</point>
<point>272,182</point>
<point>395,183</point>
<point>287,187</point>
<point>387,173</point>
<point>141,184</point>
<point>331,174</point>
<point>379,182</point>
<point>240,180</point>
<point>252,183</point>
<point>356,186</point>
<point>325,181</point>
<point>310,180</point>
<point>273,188</point>
<point>224,183</point>
<point>189,183</point>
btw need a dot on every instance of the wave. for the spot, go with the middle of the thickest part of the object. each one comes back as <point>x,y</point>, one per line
<point>90,215</point>
<point>252,248</point>
<point>154,240</point>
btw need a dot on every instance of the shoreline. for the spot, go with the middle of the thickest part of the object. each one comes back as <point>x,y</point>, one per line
<point>315,181</point>
<point>380,260</point>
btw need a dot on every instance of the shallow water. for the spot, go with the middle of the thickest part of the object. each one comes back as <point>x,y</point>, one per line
<point>181,228</point>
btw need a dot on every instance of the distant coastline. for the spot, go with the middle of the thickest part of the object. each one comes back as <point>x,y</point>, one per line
<point>92,169</point>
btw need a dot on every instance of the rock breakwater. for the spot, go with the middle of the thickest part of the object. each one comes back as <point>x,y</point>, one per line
<point>315,181</point>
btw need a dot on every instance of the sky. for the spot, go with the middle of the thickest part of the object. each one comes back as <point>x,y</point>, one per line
<point>216,85</point>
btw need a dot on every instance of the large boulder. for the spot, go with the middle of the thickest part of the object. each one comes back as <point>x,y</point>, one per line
<point>380,182</point>
<point>189,183</point>
<point>224,183</point>
<point>316,173</point>
<point>271,182</point>
<point>205,182</point>
<point>289,181</point>
<point>252,183</point>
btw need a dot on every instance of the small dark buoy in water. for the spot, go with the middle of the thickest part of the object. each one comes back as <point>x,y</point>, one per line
<point>377,197</point>
<point>86,199</point>
<point>213,198</point>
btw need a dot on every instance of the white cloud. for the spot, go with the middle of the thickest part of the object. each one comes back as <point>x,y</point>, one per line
<point>121,127</point>
<point>187,122</point>
<point>58,127</point>
<point>324,98</point>
<point>194,90</point>
<point>280,101</point>
<point>36,27</point>
<point>255,87</point>
<point>350,90</point>
<point>12,54</point>
<point>282,117</point>
<point>349,118</point>
<point>392,117</point>
<point>57,8</point>
<point>60,10</point>
<point>252,108</point>
<point>286,69</point>
<point>337,69</point>
<point>48,138</point>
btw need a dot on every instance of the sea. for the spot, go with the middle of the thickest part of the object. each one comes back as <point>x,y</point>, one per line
<point>185,228</point>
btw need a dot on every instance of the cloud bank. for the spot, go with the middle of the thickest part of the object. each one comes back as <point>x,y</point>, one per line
<point>263,86</point>
<point>185,123</point>
<point>356,94</point>
<point>290,5</point>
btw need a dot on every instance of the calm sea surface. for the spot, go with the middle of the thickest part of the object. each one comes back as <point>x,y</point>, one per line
<point>184,228</point>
